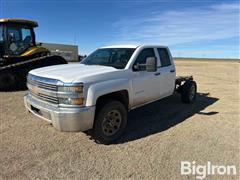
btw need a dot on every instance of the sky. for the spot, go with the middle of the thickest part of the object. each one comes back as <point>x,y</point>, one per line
<point>191,28</point>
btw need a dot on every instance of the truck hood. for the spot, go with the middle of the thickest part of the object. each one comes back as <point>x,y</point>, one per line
<point>70,73</point>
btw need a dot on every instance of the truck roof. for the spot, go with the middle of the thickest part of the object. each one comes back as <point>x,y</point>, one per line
<point>131,46</point>
<point>121,46</point>
<point>19,21</point>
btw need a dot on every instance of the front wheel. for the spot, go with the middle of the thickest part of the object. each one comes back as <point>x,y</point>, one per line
<point>110,122</point>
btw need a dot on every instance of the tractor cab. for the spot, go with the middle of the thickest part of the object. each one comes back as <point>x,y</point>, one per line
<point>17,40</point>
<point>16,36</point>
<point>19,52</point>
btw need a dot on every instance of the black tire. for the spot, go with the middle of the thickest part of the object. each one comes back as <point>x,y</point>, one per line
<point>7,81</point>
<point>114,112</point>
<point>189,91</point>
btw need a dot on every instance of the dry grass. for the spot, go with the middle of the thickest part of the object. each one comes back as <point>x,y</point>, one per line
<point>206,59</point>
<point>158,137</point>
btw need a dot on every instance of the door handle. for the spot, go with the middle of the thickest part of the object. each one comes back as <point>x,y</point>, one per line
<point>172,71</point>
<point>157,74</point>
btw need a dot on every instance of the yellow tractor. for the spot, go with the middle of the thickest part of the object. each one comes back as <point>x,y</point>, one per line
<point>19,52</point>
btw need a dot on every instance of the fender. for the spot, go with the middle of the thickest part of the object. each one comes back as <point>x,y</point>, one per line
<point>35,50</point>
<point>106,87</point>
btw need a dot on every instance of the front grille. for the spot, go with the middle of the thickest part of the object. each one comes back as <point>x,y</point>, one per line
<point>45,97</point>
<point>44,89</point>
<point>42,85</point>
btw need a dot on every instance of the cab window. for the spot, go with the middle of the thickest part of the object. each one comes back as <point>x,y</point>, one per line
<point>142,57</point>
<point>1,41</point>
<point>164,57</point>
<point>20,39</point>
<point>1,33</point>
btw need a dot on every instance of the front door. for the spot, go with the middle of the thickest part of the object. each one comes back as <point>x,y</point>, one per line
<point>145,84</point>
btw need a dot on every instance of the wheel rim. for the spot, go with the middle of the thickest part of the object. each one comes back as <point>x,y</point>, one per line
<point>192,92</point>
<point>111,122</point>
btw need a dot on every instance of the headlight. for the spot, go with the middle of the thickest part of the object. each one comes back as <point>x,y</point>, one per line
<point>71,94</point>
<point>71,101</point>
<point>71,88</point>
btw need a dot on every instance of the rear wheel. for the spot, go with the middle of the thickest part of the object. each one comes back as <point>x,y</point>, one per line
<point>110,122</point>
<point>7,81</point>
<point>188,91</point>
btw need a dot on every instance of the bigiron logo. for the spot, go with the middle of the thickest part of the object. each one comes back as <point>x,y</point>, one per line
<point>208,169</point>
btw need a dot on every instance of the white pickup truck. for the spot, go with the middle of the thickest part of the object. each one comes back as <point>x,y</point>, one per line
<point>98,93</point>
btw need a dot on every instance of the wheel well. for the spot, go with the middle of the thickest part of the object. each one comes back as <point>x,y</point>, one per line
<point>121,96</point>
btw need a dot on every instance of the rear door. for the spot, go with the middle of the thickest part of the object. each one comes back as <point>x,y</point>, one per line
<point>167,71</point>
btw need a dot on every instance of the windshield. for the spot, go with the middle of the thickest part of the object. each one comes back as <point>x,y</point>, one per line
<point>114,57</point>
<point>20,39</point>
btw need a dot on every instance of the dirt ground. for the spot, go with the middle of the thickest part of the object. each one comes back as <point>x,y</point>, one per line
<point>158,137</point>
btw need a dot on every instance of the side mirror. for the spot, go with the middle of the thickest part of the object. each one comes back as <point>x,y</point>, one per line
<point>151,64</point>
<point>136,67</point>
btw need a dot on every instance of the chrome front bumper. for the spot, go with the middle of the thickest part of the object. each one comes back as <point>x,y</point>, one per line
<point>63,119</point>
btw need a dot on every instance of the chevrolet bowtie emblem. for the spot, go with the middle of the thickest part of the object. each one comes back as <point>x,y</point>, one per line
<point>35,89</point>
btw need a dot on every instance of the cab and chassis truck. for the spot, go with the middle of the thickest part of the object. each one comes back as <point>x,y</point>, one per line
<point>97,94</point>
